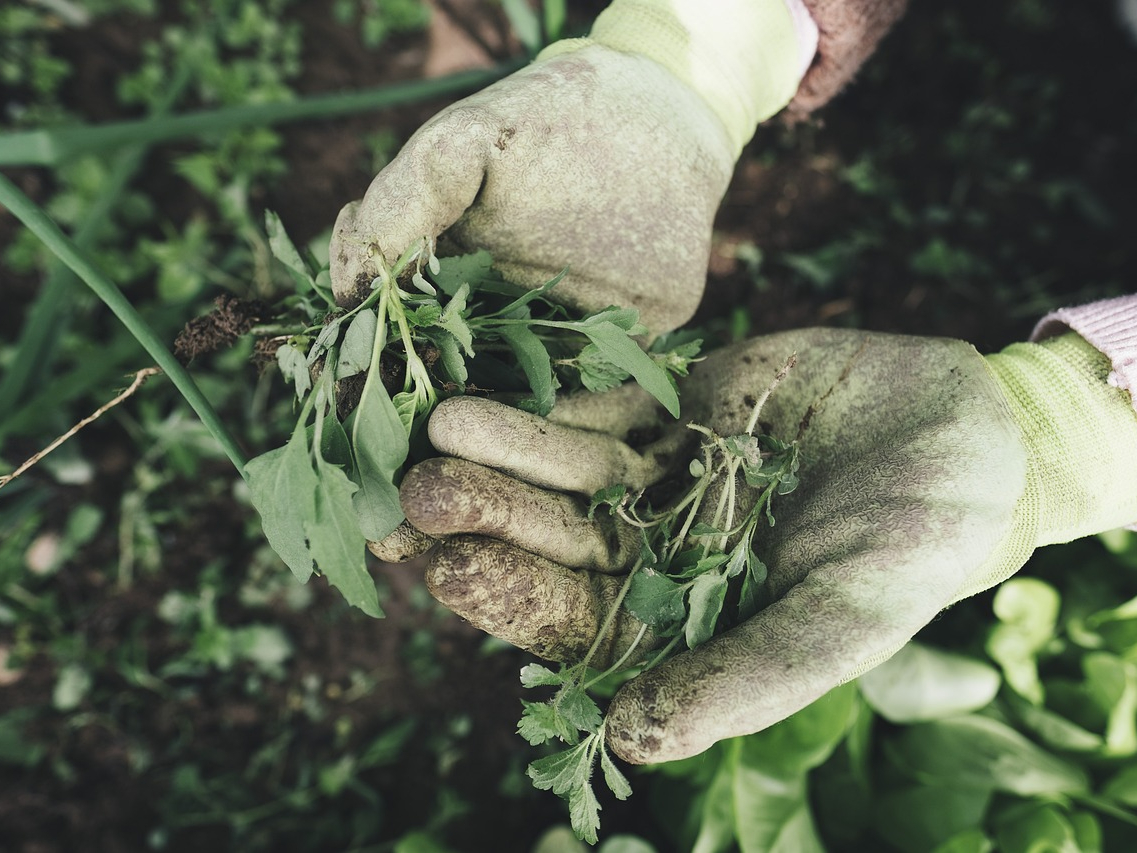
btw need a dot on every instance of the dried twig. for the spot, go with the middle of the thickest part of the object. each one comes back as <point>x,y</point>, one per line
<point>139,378</point>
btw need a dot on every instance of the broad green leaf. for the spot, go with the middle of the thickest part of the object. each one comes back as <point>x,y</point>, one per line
<point>337,543</point>
<point>615,345</point>
<point>334,446</point>
<point>622,843</point>
<point>982,753</point>
<point>806,739</point>
<point>1027,609</point>
<point>284,250</point>
<point>627,319</point>
<point>921,683</point>
<point>705,600</point>
<point>534,360</point>
<point>771,813</point>
<point>381,446</point>
<point>1112,682</point>
<point>357,346</point>
<point>1042,828</point>
<point>716,814</point>
<point>1123,786</point>
<point>535,675</point>
<point>921,817</point>
<point>655,599</point>
<point>406,406</point>
<point>282,487</point>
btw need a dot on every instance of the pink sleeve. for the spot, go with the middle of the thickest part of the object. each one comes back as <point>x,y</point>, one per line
<point>1110,326</point>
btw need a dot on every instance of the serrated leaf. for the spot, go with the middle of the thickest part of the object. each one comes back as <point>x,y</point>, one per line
<point>282,487</point>
<point>563,771</point>
<point>579,709</point>
<point>452,321</point>
<point>597,373</point>
<point>358,342</point>
<point>611,497</point>
<point>424,315</point>
<point>450,355</point>
<point>655,599</point>
<point>708,592</point>
<point>336,541</point>
<point>615,345</point>
<point>541,722</point>
<point>584,813</point>
<point>534,361</point>
<point>616,781</point>
<point>324,340</point>
<point>406,405</point>
<point>535,675</point>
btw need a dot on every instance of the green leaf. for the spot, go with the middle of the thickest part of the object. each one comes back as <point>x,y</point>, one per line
<point>563,771</point>
<point>919,817</point>
<point>708,592</point>
<point>1041,828</point>
<point>611,497</point>
<point>358,342</point>
<point>474,270</point>
<point>336,541</point>
<point>615,780</point>
<point>576,706</point>
<point>615,345</point>
<point>534,360</point>
<point>655,599</point>
<point>334,446</point>
<point>806,739</point>
<point>380,442</point>
<point>982,753</point>
<point>1027,609</point>
<point>450,354</point>
<point>1112,683</point>
<point>535,675</point>
<point>920,683</point>
<point>511,310</point>
<point>584,812</point>
<point>452,321</point>
<point>294,367</point>
<point>969,841</point>
<point>282,487</point>
<point>541,722</point>
<point>284,250</point>
<point>1123,786</point>
<point>597,373</point>
<point>406,406</point>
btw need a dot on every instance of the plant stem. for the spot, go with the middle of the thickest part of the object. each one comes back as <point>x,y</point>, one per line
<point>52,147</point>
<point>43,227</point>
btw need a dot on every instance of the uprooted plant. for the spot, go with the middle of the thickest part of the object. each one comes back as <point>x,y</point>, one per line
<point>691,556</point>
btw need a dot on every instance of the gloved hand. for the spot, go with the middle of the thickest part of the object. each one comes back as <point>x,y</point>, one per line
<point>607,155</point>
<point>928,473</point>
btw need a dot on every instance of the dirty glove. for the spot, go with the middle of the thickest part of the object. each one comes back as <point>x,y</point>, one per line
<point>928,473</point>
<point>608,155</point>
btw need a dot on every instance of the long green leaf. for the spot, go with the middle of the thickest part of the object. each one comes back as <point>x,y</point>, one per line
<point>534,360</point>
<point>282,485</point>
<point>614,343</point>
<point>41,225</point>
<point>337,542</point>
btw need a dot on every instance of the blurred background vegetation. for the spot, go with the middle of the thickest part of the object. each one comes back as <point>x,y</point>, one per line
<point>164,683</point>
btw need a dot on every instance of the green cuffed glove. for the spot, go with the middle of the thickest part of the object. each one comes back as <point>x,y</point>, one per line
<point>928,474</point>
<point>607,156</point>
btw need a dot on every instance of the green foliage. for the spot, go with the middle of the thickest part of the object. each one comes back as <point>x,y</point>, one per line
<point>332,488</point>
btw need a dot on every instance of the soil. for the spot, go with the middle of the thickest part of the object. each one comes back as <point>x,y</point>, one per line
<point>91,794</point>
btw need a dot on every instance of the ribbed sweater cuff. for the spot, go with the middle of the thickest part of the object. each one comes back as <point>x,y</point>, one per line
<point>1110,326</point>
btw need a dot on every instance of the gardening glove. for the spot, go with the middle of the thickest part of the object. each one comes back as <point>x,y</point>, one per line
<point>607,156</point>
<point>928,473</point>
